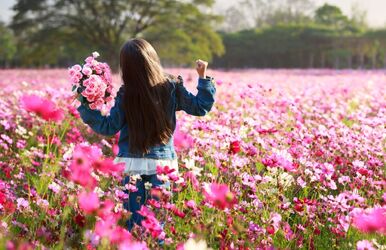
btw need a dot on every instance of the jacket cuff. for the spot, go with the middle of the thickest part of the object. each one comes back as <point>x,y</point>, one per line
<point>82,109</point>
<point>208,81</point>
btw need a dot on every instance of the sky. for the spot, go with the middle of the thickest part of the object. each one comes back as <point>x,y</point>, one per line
<point>376,9</point>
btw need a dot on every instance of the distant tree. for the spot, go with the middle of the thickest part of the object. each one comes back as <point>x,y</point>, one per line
<point>331,15</point>
<point>105,24</point>
<point>376,45</point>
<point>7,45</point>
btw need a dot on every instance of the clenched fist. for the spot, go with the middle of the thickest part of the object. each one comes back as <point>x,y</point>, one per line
<point>201,68</point>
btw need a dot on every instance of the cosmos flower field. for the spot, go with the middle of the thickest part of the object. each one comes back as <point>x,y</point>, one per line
<point>286,159</point>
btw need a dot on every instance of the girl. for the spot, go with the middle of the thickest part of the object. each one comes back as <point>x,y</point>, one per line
<point>144,114</point>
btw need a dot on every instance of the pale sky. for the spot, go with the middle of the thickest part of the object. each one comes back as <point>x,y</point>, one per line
<point>376,9</point>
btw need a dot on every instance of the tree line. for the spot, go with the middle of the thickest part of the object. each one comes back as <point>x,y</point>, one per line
<point>325,39</point>
<point>252,33</point>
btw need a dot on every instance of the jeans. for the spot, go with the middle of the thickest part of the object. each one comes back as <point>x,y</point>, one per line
<point>139,198</point>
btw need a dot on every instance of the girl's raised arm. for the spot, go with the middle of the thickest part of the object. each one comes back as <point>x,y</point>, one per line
<point>105,125</point>
<point>200,104</point>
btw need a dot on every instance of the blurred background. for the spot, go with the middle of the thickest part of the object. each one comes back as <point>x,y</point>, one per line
<point>230,34</point>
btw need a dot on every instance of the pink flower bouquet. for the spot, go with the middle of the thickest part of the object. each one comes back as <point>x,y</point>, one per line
<point>92,83</point>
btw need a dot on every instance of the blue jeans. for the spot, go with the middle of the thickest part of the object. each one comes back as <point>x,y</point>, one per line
<point>139,198</point>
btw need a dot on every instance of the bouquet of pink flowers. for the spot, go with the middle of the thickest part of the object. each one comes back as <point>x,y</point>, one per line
<point>92,84</point>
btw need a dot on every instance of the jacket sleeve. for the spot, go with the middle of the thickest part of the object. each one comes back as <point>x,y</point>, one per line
<point>105,125</point>
<point>200,104</point>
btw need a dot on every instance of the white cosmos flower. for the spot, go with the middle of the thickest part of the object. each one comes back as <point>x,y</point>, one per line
<point>95,54</point>
<point>192,244</point>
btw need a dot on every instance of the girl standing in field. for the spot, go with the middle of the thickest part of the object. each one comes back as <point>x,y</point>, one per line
<point>145,115</point>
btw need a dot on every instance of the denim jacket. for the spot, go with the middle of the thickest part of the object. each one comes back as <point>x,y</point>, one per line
<point>180,99</point>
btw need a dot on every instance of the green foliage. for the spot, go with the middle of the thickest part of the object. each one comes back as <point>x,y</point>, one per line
<point>303,46</point>
<point>331,15</point>
<point>7,45</point>
<point>74,26</point>
<point>287,34</point>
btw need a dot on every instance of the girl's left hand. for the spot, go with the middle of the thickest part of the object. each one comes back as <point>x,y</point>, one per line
<point>201,66</point>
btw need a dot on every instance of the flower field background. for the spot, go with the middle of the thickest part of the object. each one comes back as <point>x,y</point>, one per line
<point>286,159</point>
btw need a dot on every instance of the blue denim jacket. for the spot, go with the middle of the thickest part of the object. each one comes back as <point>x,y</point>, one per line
<point>180,99</point>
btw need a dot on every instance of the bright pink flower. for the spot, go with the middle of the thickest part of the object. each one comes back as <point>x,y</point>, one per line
<point>108,228</point>
<point>219,195</point>
<point>182,141</point>
<point>151,224</point>
<point>191,204</point>
<point>145,212</point>
<point>164,170</point>
<point>371,221</point>
<point>106,209</point>
<point>132,245</point>
<point>107,166</point>
<point>193,179</point>
<point>279,161</point>
<point>88,202</point>
<point>42,107</point>
<point>81,165</point>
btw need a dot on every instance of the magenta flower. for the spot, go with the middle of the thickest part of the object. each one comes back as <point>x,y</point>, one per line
<point>132,245</point>
<point>164,170</point>
<point>107,166</point>
<point>44,108</point>
<point>108,228</point>
<point>151,224</point>
<point>371,221</point>
<point>88,202</point>
<point>219,196</point>
<point>81,165</point>
<point>182,141</point>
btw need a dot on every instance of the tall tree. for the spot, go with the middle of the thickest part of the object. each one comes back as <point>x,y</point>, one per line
<point>7,45</point>
<point>105,24</point>
<point>331,15</point>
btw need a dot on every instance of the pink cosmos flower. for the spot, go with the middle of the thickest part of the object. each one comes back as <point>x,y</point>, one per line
<point>81,165</point>
<point>371,221</point>
<point>88,202</point>
<point>191,204</point>
<point>365,245</point>
<point>151,224</point>
<point>276,220</point>
<point>106,209</point>
<point>182,141</point>
<point>219,195</point>
<point>42,107</point>
<point>132,245</point>
<point>107,166</point>
<point>164,170</point>
<point>193,179</point>
<point>108,228</point>
<point>279,161</point>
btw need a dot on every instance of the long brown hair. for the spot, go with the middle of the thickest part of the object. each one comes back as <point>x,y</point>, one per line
<point>146,96</point>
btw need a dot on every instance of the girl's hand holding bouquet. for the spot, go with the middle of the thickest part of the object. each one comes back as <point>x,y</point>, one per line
<point>92,84</point>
